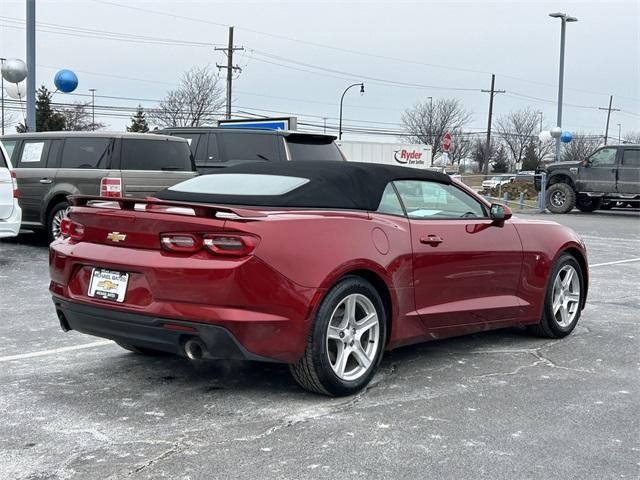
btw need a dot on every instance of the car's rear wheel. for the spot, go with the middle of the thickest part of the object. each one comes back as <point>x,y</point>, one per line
<point>56,214</point>
<point>584,203</point>
<point>560,198</point>
<point>346,342</point>
<point>563,299</point>
<point>150,352</point>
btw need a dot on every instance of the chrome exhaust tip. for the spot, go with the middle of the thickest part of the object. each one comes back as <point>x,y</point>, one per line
<point>194,349</point>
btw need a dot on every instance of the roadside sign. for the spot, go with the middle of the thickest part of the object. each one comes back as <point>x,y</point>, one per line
<point>286,123</point>
<point>447,141</point>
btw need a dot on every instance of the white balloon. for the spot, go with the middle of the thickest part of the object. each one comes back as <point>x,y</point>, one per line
<point>545,136</point>
<point>556,132</point>
<point>17,91</point>
<point>14,70</point>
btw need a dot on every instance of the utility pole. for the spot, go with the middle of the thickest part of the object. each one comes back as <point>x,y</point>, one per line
<point>2,93</point>
<point>93,108</point>
<point>540,113</point>
<point>619,132</point>
<point>492,93</point>
<point>230,68</point>
<point>609,110</point>
<point>31,66</point>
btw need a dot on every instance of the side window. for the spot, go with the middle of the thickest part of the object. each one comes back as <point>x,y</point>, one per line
<point>53,159</point>
<point>191,138</point>
<point>148,154</point>
<point>213,156</point>
<point>82,152</point>
<point>631,157</point>
<point>251,146</point>
<point>9,146</point>
<point>423,199</point>
<point>200,153</point>
<point>33,154</point>
<point>390,203</point>
<point>604,157</point>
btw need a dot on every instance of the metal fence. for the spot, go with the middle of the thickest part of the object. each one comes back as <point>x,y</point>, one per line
<point>521,192</point>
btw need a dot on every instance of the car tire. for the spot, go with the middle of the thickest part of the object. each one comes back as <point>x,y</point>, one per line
<point>346,341</point>
<point>563,299</point>
<point>53,220</point>
<point>584,203</point>
<point>149,352</point>
<point>560,198</point>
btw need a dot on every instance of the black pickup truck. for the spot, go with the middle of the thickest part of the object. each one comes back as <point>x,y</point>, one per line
<point>609,175</point>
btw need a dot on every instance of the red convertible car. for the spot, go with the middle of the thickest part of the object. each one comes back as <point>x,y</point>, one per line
<point>321,265</point>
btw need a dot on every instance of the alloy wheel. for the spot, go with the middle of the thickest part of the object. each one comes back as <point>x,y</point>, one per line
<point>57,219</point>
<point>353,336</point>
<point>558,199</point>
<point>566,296</point>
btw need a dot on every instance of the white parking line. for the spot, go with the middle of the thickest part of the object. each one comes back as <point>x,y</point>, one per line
<point>614,263</point>
<point>42,353</point>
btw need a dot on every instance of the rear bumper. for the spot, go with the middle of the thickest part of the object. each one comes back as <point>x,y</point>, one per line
<point>150,332</point>
<point>11,226</point>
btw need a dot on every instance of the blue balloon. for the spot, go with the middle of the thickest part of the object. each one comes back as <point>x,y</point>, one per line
<point>66,81</point>
<point>566,137</point>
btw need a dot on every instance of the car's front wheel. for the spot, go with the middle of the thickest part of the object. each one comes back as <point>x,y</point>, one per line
<point>345,345</point>
<point>563,299</point>
<point>560,198</point>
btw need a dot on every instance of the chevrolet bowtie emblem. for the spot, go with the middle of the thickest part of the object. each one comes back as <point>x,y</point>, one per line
<point>107,285</point>
<point>116,236</point>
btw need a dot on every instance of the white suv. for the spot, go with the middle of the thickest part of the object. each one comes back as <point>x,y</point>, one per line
<point>10,212</point>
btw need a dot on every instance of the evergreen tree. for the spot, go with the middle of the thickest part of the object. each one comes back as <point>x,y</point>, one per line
<point>530,161</point>
<point>501,161</point>
<point>47,119</point>
<point>138,121</point>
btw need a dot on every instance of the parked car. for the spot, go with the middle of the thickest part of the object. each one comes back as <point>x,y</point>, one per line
<point>216,147</point>
<point>10,211</point>
<point>321,265</point>
<point>609,176</point>
<point>52,165</point>
<point>496,181</point>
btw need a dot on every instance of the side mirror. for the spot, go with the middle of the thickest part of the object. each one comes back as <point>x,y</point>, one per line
<point>586,162</point>
<point>499,212</point>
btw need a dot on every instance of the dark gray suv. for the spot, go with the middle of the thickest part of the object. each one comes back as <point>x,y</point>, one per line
<point>51,165</point>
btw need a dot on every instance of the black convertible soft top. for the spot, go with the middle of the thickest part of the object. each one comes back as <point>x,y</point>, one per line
<point>348,185</point>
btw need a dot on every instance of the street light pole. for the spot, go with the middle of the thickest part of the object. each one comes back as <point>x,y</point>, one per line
<point>619,132</point>
<point>341,99</point>
<point>564,18</point>
<point>93,108</point>
<point>2,92</point>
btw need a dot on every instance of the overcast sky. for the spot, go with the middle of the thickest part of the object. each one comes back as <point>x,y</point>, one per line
<point>447,48</point>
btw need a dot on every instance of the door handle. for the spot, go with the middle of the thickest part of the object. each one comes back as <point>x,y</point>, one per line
<point>46,181</point>
<point>431,240</point>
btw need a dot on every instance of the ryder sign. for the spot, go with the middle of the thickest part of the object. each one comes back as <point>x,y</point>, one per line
<point>408,155</point>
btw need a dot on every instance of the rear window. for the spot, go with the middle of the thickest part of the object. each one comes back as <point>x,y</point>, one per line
<point>631,157</point>
<point>313,149</point>
<point>250,146</point>
<point>85,153</point>
<point>156,155</point>
<point>240,184</point>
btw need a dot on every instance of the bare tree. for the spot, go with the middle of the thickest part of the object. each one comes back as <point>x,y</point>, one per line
<point>580,147</point>
<point>632,137</point>
<point>479,152</point>
<point>427,122</point>
<point>517,129</point>
<point>197,101</point>
<point>77,118</point>
<point>461,147</point>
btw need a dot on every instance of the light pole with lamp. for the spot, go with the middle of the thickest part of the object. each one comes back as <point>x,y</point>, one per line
<point>341,99</point>
<point>565,18</point>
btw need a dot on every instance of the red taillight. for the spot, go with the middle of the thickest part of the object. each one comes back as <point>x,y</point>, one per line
<point>111,187</point>
<point>230,245</point>
<point>14,180</point>
<point>71,229</point>
<point>180,242</point>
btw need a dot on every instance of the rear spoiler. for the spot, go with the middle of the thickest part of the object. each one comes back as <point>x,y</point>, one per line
<point>172,207</point>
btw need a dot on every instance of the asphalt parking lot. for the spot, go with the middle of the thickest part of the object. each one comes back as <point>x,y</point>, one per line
<point>500,405</point>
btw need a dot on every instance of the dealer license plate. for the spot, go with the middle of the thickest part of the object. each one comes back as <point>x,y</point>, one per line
<point>108,284</point>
